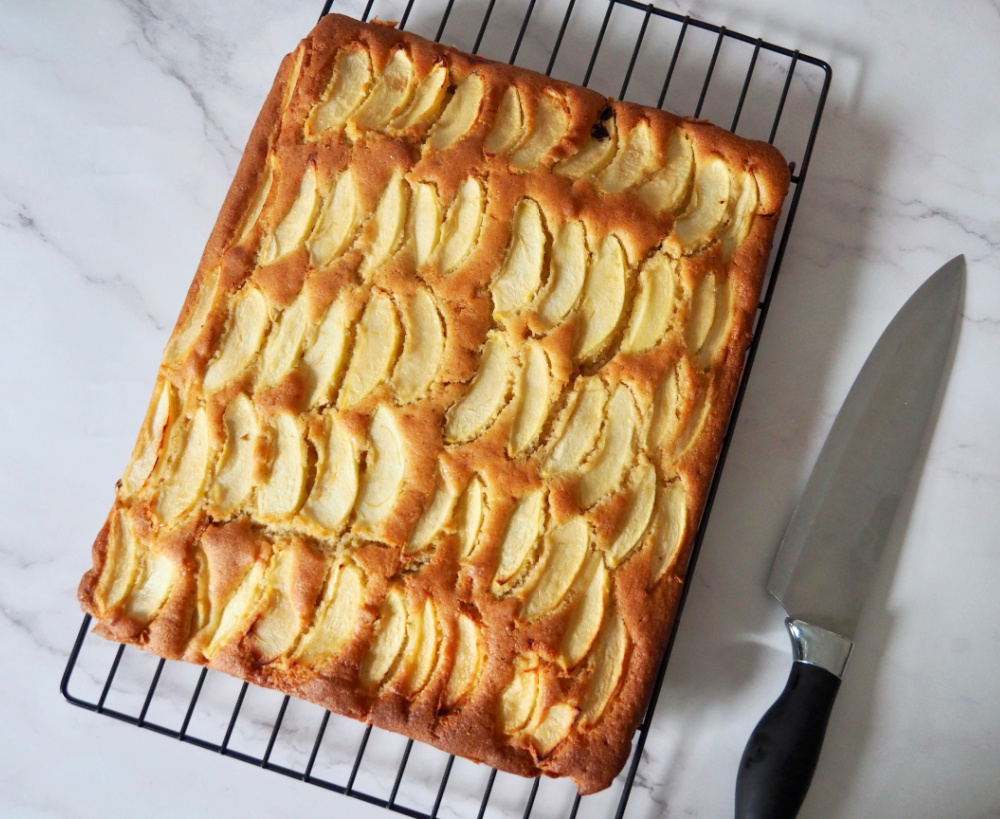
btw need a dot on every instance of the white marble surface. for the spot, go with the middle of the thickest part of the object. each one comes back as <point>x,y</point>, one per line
<point>121,122</point>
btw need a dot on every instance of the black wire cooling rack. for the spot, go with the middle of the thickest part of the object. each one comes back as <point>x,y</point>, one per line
<point>621,48</point>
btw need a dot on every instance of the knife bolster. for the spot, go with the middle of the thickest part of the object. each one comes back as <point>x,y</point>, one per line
<point>817,646</point>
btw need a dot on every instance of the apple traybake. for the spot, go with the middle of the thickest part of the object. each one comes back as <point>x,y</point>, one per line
<point>432,436</point>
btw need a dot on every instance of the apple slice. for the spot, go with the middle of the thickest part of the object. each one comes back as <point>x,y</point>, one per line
<point>276,630</point>
<point>669,524</point>
<point>531,399</point>
<point>336,223</point>
<point>120,565</point>
<point>609,664</point>
<point>595,155</point>
<point>664,421</point>
<point>567,272</point>
<point>720,303</point>
<point>387,226</point>
<point>336,486</point>
<point>517,700</point>
<point>185,335</point>
<point>653,310</point>
<point>425,649</point>
<point>579,432</point>
<point>460,231</point>
<point>282,348</point>
<point>390,635</point>
<point>280,496</point>
<point>706,210</point>
<point>414,637</point>
<point>469,516</point>
<point>553,728</point>
<point>693,425</point>
<point>376,345</point>
<point>352,76</point>
<point>247,325</point>
<point>182,488</point>
<point>336,618</point>
<point>234,480</point>
<point>427,99</point>
<point>390,94</point>
<point>324,360</point>
<point>150,443</point>
<point>238,611</point>
<point>519,538</point>
<point>468,659</point>
<point>435,516</point>
<point>202,614</point>
<point>252,215</point>
<point>702,313</point>
<point>565,549</point>
<point>291,78</point>
<point>742,216</point>
<point>476,410</point>
<point>520,275</point>
<point>508,128</point>
<point>631,162</point>
<point>154,578</point>
<point>425,221</point>
<point>665,190</point>
<point>607,467</point>
<point>459,115</point>
<point>547,128</point>
<point>292,230</point>
<point>384,473</point>
<point>603,298</point>
<point>638,513</point>
<point>585,621</point>
<point>423,348</point>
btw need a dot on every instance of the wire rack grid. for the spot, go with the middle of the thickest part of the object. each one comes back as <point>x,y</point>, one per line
<point>621,48</point>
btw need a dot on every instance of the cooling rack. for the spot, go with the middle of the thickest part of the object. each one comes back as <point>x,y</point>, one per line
<point>621,48</point>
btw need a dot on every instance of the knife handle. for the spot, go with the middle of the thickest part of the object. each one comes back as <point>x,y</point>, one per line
<point>780,758</point>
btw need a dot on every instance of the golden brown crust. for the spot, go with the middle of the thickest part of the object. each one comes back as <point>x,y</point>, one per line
<point>434,431</point>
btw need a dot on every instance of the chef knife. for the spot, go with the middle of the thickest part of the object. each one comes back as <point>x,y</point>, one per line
<point>832,546</point>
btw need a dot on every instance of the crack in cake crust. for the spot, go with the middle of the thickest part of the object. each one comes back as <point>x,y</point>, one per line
<point>433,433</point>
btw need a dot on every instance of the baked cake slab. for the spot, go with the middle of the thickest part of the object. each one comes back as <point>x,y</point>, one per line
<point>432,437</point>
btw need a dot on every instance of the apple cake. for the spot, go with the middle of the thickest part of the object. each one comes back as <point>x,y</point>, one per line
<point>431,439</point>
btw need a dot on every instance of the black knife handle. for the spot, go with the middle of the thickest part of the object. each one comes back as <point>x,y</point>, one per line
<point>780,758</point>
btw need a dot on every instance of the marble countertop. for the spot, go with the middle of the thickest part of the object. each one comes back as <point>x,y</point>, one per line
<point>122,122</point>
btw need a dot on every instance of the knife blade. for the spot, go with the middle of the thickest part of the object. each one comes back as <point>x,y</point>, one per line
<point>829,553</point>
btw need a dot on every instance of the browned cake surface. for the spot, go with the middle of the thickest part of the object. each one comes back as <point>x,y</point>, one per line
<point>433,433</point>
